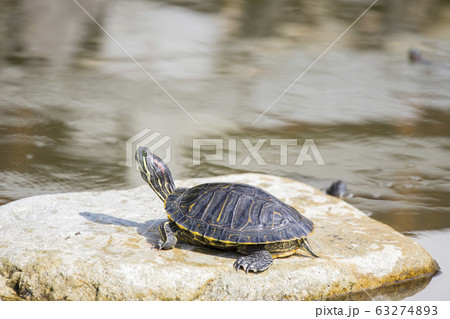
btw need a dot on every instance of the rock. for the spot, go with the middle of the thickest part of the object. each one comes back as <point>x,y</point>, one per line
<point>98,246</point>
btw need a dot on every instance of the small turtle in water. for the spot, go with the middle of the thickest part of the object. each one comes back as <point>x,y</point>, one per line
<point>415,56</point>
<point>228,216</point>
<point>338,189</point>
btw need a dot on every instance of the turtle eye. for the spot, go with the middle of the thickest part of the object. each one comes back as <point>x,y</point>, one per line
<point>144,153</point>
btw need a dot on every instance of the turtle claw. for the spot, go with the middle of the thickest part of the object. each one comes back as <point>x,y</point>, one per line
<point>258,261</point>
<point>240,263</point>
<point>161,245</point>
<point>247,264</point>
<point>244,263</point>
<point>158,245</point>
<point>169,240</point>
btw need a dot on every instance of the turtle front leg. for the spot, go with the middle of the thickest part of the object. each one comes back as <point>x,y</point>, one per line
<point>168,231</point>
<point>258,259</point>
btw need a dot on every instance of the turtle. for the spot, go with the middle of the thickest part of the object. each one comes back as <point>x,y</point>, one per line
<point>415,56</point>
<point>228,216</point>
<point>338,189</point>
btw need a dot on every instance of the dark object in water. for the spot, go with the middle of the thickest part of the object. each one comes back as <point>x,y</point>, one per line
<point>415,56</point>
<point>339,189</point>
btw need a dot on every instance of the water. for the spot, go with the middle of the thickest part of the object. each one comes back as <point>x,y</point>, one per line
<point>70,98</point>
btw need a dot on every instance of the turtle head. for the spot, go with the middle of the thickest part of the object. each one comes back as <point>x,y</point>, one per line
<point>155,172</point>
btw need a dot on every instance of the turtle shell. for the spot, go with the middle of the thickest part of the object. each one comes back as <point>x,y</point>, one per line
<point>236,214</point>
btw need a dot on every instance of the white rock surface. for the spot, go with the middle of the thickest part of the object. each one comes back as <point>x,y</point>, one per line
<point>98,246</point>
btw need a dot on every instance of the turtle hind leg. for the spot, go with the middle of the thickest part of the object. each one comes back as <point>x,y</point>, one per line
<point>258,259</point>
<point>168,232</point>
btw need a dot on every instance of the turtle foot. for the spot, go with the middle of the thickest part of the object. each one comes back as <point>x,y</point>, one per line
<point>169,239</point>
<point>158,245</point>
<point>257,261</point>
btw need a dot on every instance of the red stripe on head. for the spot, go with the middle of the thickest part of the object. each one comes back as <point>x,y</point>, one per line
<point>160,166</point>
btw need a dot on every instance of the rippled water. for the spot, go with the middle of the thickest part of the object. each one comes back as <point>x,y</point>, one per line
<point>70,98</point>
